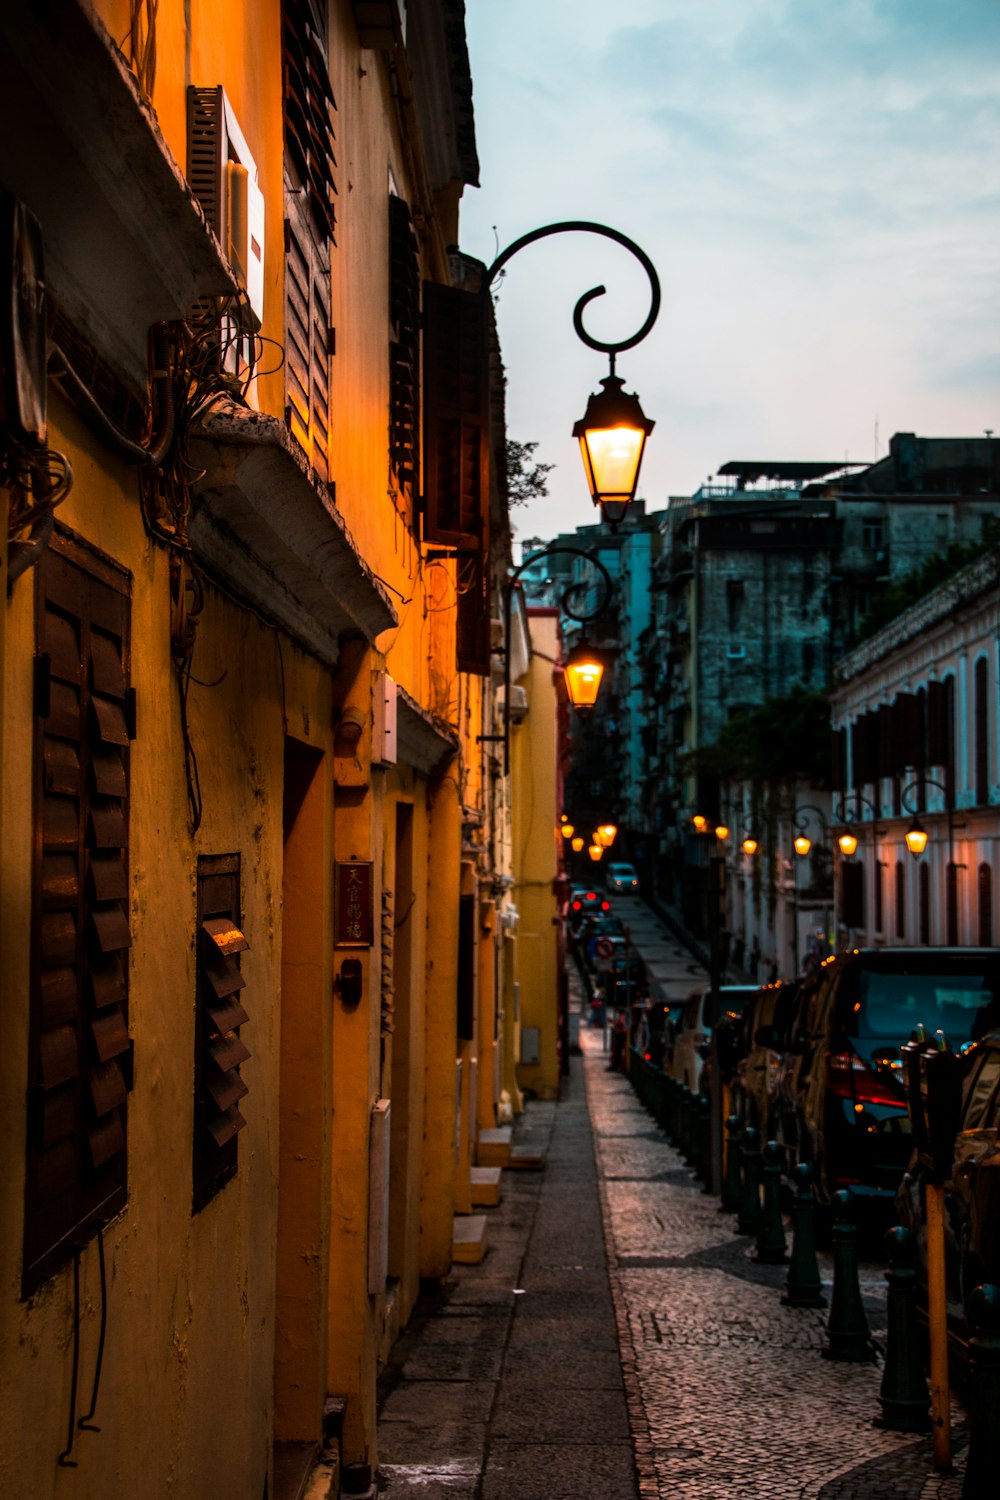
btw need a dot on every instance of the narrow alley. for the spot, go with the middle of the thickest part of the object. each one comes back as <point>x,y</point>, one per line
<point>620,1341</point>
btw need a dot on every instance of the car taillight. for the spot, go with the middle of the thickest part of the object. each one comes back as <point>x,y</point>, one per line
<point>577,905</point>
<point>849,1077</point>
<point>605,906</point>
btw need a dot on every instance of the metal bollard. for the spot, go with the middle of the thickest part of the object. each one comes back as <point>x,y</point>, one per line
<point>803,1287</point>
<point>703,1141</point>
<point>749,1216</point>
<point>983,1463</point>
<point>847,1330</point>
<point>731,1177</point>
<point>672,1124</point>
<point>687,1134</point>
<point>771,1247</point>
<point>903,1393</point>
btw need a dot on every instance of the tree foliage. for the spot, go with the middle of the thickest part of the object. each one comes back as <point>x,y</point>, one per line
<point>526,477</point>
<point>784,737</point>
<point>931,573</point>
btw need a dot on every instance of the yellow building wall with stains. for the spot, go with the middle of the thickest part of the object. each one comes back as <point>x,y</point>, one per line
<point>231,1327</point>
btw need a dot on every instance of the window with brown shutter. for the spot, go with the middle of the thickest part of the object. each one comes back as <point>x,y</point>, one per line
<point>310,221</point>
<point>456,417</point>
<point>981,688</point>
<point>80,1055</point>
<point>404,348</point>
<point>219,1048</point>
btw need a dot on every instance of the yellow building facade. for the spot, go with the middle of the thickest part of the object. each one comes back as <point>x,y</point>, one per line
<point>254,967</point>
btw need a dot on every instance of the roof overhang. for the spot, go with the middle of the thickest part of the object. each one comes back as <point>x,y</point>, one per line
<point>268,525</point>
<point>791,469</point>
<point>126,243</point>
<point>423,742</point>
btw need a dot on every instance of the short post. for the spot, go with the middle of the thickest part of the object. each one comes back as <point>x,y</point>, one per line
<point>903,1394</point>
<point>749,1219</point>
<point>731,1177</point>
<point>703,1141</point>
<point>803,1287</point>
<point>848,1335</point>
<point>771,1248</point>
<point>673,1115</point>
<point>983,1463</point>
<point>687,1123</point>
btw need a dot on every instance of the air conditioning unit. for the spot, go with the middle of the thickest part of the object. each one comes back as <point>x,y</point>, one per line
<point>223,178</point>
<point>518,704</point>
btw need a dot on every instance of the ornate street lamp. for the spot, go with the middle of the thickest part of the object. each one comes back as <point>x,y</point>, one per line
<point>916,838</point>
<point>721,832</point>
<point>613,430</point>
<point>596,852</point>
<point>699,823</point>
<point>605,835</point>
<point>916,835</point>
<point>612,433</point>
<point>577,845</point>
<point>848,840</point>
<point>566,830</point>
<point>582,670</point>
<point>750,844</point>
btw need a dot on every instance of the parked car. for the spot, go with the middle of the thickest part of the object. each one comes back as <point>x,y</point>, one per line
<point>972,1191</point>
<point>584,899</point>
<point>622,877</point>
<point>839,1102</point>
<point>758,1045</point>
<point>702,1009</point>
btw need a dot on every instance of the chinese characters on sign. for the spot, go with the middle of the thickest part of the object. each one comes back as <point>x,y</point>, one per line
<point>353,925</point>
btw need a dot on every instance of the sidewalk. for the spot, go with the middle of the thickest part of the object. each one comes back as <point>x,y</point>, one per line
<point>508,1385</point>
<point>542,1374</point>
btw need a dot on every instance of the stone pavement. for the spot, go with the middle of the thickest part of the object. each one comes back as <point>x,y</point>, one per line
<point>619,1341</point>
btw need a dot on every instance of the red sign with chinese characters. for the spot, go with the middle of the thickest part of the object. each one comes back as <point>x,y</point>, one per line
<point>353,919</point>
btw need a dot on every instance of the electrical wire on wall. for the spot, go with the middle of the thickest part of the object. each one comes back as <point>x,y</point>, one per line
<point>141,44</point>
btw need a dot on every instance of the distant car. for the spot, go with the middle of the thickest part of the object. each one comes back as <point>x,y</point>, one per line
<point>622,877</point>
<point>840,1099</point>
<point>584,900</point>
<point>972,1192</point>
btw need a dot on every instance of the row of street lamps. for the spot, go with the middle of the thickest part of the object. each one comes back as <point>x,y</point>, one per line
<point>602,838</point>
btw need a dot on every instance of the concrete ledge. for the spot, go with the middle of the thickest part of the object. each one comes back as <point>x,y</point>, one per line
<point>493,1147</point>
<point>485,1182</point>
<point>524,1159</point>
<point>468,1239</point>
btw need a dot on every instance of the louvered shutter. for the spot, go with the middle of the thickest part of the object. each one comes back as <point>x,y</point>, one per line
<point>219,1047</point>
<point>404,345</point>
<point>309,109</point>
<point>80,1061</point>
<point>308,340</point>
<point>456,417</point>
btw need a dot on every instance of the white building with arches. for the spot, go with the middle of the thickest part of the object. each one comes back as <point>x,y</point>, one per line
<point>916,747</point>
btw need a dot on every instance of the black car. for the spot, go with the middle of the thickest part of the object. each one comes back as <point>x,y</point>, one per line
<point>841,1102</point>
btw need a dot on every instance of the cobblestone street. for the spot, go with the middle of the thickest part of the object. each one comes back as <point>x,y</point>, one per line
<point>619,1339</point>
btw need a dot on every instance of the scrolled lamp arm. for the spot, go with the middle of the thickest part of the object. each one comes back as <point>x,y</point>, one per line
<point>588,227</point>
<point>582,618</point>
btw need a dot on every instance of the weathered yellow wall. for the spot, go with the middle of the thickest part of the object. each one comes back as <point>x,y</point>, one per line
<point>264,1293</point>
<point>534,817</point>
<point>190,1298</point>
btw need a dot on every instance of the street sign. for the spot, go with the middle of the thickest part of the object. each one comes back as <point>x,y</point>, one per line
<point>604,948</point>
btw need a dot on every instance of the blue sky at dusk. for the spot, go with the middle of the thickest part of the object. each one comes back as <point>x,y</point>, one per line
<point>818,186</point>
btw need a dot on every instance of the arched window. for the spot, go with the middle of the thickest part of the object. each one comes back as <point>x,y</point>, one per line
<point>879,883</point>
<point>985,895</point>
<point>951,903</point>
<point>900,899</point>
<point>924,895</point>
<point>981,691</point>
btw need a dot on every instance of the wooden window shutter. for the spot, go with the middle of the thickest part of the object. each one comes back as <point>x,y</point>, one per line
<point>404,346</point>
<point>838,760</point>
<point>466,986</point>
<point>981,689</point>
<point>937,724</point>
<point>80,1054</point>
<point>308,340</point>
<point>309,110</point>
<point>472,635</point>
<point>852,895</point>
<point>456,417</point>
<point>219,1048</point>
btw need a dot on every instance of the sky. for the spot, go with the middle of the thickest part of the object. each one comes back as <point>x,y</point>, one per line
<point>818,185</point>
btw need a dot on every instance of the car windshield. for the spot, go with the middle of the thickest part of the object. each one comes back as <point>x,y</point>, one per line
<point>891,1006</point>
